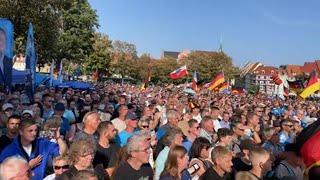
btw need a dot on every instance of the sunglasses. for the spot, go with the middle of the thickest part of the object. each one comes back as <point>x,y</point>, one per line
<point>61,167</point>
<point>145,126</point>
<point>288,125</point>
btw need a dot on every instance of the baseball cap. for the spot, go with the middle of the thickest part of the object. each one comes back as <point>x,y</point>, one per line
<point>131,116</point>
<point>27,112</point>
<point>7,106</point>
<point>59,107</point>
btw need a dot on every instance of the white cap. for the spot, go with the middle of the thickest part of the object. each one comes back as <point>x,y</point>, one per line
<point>6,106</point>
<point>27,112</point>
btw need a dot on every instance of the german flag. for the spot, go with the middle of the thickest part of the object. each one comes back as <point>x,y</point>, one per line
<point>313,85</point>
<point>219,79</point>
<point>224,86</point>
<point>308,143</point>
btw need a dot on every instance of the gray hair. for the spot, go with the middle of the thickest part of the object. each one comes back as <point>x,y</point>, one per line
<point>134,142</point>
<point>86,116</point>
<point>10,167</point>
<point>170,135</point>
<point>172,114</point>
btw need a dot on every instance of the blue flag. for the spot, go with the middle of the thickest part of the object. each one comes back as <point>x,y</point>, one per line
<point>31,62</point>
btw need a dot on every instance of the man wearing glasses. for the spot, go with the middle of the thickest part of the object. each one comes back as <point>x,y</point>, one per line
<point>60,165</point>
<point>136,167</point>
<point>286,136</point>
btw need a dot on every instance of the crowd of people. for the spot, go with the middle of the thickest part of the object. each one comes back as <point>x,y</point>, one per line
<point>121,132</point>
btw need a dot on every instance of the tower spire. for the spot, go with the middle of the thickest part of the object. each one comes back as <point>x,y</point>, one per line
<point>220,45</point>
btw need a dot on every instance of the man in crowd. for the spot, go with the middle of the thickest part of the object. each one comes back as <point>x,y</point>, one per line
<point>261,162</point>
<point>286,136</point>
<point>225,137</point>
<point>12,131</point>
<point>222,160</point>
<point>138,149</point>
<point>224,123</point>
<point>15,168</point>
<point>37,151</point>
<point>91,122</point>
<point>253,127</point>
<point>173,119</point>
<point>193,133</point>
<point>47,106</point>
<point>106,154</point>
<point>59,110</point>
<point>215,116</point>
<point>131,125</point>
<point>207,128</point>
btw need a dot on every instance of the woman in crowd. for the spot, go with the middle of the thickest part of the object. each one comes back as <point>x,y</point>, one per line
<point>176,163</point>
<point>199,153</point>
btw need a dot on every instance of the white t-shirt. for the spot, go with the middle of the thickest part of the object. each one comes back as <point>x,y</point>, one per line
<point>28,149</point>
<point>119,124</point>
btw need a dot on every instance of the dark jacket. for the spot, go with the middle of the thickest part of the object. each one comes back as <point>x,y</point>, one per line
<point>6,76</point>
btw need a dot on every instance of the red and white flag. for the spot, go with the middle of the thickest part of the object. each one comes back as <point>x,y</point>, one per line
<point>179,73</point>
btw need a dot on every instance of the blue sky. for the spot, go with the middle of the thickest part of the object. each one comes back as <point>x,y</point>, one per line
<point>271,31</point>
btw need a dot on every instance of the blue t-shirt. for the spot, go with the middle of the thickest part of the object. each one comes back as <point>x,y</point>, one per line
<point>123,137</point>
<point>187,144</point>
<point>40,146</point>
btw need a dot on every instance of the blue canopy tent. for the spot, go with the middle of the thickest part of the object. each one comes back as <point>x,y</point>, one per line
<point>19,77</point>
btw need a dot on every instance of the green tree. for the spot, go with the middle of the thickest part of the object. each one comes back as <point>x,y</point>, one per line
<point>125,50</point>
<point>44,15</point>
<point>208,64</point>
<point>78,25</point>
<point>99,60</point>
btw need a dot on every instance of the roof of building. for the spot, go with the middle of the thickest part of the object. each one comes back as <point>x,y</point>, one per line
<point>266,70</point>
<point>171,54</point>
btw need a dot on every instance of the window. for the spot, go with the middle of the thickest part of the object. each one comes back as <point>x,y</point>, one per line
<point>263,72</point>
<point>272,72</point>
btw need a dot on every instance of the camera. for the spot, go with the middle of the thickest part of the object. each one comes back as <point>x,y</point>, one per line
<point>194,168</point>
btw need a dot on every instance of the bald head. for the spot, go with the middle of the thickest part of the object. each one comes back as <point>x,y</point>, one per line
<point>14,167</point>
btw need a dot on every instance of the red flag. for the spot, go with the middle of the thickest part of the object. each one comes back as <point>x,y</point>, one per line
<point>276,79</point>
<point>179,73</point>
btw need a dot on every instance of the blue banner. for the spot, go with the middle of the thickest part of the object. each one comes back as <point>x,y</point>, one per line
<point>31,62</point>
<point>6,54</point>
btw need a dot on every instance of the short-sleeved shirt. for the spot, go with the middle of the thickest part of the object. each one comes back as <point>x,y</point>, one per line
<point>125,171</point>
<point>212,174</point>
<point>106,157</point>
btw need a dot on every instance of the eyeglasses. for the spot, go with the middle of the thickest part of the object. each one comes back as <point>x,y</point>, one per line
<point>61,167</point>
<point>147,150</point>
<point>87,154</point>
<point>288,125</point>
